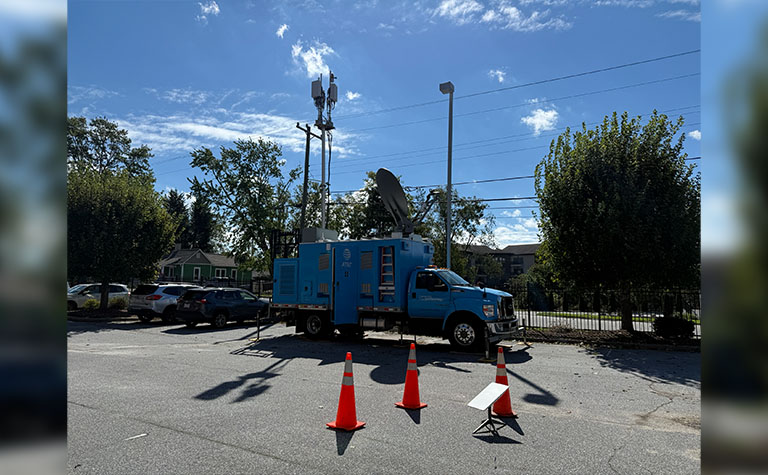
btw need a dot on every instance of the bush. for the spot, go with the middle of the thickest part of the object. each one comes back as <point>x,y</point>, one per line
<point>673,327</point>
<point>118,303</point>
<point>91,304</point>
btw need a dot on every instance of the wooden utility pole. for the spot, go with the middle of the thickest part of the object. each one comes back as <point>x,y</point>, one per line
<point>309,133</point>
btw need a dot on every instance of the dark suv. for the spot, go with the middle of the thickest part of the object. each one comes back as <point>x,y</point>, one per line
<point>218,306</point>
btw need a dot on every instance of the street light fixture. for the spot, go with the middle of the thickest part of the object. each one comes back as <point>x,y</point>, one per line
<point>447,88</point>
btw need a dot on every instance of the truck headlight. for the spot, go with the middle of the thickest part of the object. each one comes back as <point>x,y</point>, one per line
<point>489,310</point>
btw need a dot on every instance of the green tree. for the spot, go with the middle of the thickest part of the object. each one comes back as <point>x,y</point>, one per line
<point>177,208</point>
<point>470,225</point>
<point>247,188</point>
<point>117,227</point>
<point>620,208</point>
<point>367,217</point>
<point>203,226</point>
<point>101,146</point>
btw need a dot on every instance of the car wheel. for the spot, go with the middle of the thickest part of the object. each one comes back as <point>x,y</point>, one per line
<point>190,324</point>
<point>71,305</point>
<point>465,334</point>
<point>145,318</point>
<point>169,314</point>
<point>220,320</point>
<point>316,326</point>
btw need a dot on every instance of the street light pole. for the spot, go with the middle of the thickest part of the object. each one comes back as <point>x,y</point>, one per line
<point>447,88</point>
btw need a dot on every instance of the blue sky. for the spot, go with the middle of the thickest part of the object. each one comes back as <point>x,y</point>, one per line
<point>180,75</point>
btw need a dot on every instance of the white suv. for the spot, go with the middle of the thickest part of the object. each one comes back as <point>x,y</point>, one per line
<point>157,300</point>
<point>77,295</point>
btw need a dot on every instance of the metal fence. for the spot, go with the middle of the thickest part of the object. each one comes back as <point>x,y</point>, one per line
<point>601,309</point>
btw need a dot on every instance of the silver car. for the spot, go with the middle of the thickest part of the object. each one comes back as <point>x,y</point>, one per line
<point>77,295</point>
<point>157,300</point>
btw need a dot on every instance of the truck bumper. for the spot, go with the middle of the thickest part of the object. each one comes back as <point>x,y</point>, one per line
<point>502,330</point>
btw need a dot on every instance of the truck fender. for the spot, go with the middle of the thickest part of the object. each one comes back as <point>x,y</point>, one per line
<point>460,314</point>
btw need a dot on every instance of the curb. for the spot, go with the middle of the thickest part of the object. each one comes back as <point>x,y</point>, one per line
<point>619,345</point>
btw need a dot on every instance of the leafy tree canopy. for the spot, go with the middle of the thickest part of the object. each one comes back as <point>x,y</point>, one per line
<point>101,146</point>
<point>117,227</point>
<point>620,207</point>
<point>247,188</point>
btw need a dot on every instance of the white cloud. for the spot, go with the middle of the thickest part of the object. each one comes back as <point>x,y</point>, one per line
<point>77,94</point>
<point>516,233</point>
<point>497,74</point>
<point>281,31</point>
<point>185,96</point>
<point>351,96</point>
<point>695,134</point>
<point>541,120</point>
<point>685,15</point>
<point>509,17</point>
<point>312,59</point>
<point>206,10</point>
<point>459,11</point>
<point>180,133</point>
<point>385,26</point>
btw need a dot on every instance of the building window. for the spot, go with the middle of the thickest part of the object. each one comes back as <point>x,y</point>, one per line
<point>221,272</point>
<point>234,274</point>
<point>196,273</point>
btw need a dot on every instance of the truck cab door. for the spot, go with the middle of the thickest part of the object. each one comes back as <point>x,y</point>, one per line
<point>429,296</point>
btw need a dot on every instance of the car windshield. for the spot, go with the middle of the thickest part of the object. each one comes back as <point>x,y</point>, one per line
<point>76,289</point>
<point>452,278</point>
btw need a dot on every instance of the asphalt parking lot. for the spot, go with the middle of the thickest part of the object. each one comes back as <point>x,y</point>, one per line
<point>154,398</point>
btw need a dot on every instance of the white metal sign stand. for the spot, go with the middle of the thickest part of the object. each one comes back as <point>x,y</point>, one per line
<point>484,401</point>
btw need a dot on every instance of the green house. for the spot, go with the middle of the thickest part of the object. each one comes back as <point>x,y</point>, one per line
<point>194,265</point>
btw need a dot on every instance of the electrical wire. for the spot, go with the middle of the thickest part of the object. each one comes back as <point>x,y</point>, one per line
<point>573,96</point>
<point>519,86</point>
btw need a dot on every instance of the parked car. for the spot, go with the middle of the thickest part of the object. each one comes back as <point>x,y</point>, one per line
<point>157,300</point>
<point>218,306</point>
<point>77,295</point>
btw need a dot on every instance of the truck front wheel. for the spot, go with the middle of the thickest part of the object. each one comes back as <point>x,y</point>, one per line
<point>465,334</point>
<point>316,326</point>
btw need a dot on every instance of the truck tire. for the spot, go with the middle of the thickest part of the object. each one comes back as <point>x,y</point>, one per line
<point>465,334</point>
<point>316,326</point>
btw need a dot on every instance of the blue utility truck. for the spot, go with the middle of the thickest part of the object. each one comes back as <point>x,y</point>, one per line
<point>376,284</point>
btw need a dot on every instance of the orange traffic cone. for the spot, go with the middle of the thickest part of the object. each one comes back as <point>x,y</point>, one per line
<point>346,415</point>
<point>503,406</point>
<point>411,393</point>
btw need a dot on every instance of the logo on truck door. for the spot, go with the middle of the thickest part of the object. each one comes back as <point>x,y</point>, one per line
<point>347,256</point>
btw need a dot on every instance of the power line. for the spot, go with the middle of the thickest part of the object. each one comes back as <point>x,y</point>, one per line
<point>600,91</point>
<point>490,180</point>
<point>519,86</point>
<point>499,140</point>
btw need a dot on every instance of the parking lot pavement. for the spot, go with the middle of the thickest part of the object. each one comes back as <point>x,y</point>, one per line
<point>152,398</point>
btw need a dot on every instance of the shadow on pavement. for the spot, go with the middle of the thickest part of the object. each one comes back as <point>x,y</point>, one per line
<point>414,414</point>
<point>543,398</point>
<point>343,439</point>
<point>517,357</point>
<point>496,439</point>
<point>653,365</point>
<point>79,327</point>
<point>256,384</point>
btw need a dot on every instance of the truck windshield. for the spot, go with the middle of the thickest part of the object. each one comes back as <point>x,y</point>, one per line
<point>452,278</point>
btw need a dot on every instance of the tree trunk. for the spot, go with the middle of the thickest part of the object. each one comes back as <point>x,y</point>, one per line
<point>625,304</point>
<point>104,295</point>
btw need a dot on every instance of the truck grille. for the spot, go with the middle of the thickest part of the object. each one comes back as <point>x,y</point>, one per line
<point>507,308</point>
